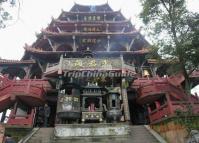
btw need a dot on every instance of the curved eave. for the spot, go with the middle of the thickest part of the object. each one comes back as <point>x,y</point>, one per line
<point>14,62</point>
<point>118,14</point>
<point>90,13</point>
<point>60,23</point>
<point>61,34</point>
<point>33,50</point>
<point>103,26</point>
<point>165,62</point>
<point>39,41</point>
<point>57,21</point>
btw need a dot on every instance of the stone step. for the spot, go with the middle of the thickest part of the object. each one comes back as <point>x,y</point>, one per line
<point>96,140</point>
<point>139,134</point>
<point>108,140</point>
<point>43,135</point>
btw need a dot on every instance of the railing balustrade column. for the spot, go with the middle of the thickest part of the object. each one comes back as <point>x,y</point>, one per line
<point>169,103</point>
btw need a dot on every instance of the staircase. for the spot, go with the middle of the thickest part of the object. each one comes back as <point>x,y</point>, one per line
<point>42,135</point>
<point>139,134</point>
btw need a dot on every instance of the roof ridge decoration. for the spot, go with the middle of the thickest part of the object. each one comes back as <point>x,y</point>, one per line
<point>81,7</point>
<point>78,4</point>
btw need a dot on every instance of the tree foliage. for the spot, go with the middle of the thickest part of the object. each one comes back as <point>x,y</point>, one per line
<point>4,14</point>
<point>175,31</point>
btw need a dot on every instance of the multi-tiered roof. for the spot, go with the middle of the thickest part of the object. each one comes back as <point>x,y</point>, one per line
<point>98,28</point>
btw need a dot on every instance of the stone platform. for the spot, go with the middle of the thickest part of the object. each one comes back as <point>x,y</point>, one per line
<point>90,130</point>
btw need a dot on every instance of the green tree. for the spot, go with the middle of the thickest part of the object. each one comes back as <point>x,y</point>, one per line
<point>4,14</point>
<point>175,31</point>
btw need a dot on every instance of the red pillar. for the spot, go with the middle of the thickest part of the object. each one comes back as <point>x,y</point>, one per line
<point>170,106</point>
<point>157,104</point>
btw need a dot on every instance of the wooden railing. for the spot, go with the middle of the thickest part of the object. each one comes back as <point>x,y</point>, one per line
<point>164,111</point>
<point>160,113</point>
<point>18,120</point>
<point>155,87</point>
<point>29,91</point>
<point>151,90</point>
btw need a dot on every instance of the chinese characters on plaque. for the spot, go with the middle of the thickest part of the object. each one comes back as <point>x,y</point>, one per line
<point>92,29</point>
<point>96,64</point>
<point>92,18</point>
<point>68,99</point>
<point>89,41</point>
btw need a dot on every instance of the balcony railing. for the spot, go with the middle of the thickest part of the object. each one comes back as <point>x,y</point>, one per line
<point>166,111</point>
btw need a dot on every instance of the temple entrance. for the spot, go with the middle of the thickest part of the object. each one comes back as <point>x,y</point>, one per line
<point>138,113</point>
<point>46,112</point>
<point>52,117</point>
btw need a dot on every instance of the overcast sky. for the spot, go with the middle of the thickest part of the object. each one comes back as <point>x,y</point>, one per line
<point>36,14</point>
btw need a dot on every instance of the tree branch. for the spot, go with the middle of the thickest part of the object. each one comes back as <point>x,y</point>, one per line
<point>165,5</point>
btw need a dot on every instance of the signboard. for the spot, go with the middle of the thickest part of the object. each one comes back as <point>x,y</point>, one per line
<point>92,29</point>
<point>91,64</point>
<point>89,41</point>
<point>92,18</point>
<point>90,67</point>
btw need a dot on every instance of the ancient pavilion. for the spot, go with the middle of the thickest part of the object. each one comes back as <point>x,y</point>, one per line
<point>89,66</point>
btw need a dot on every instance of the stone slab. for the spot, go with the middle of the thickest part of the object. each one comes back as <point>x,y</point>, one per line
<point>91,130</point>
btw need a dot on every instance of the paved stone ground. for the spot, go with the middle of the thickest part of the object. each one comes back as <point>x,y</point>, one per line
<point>139,134</point>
